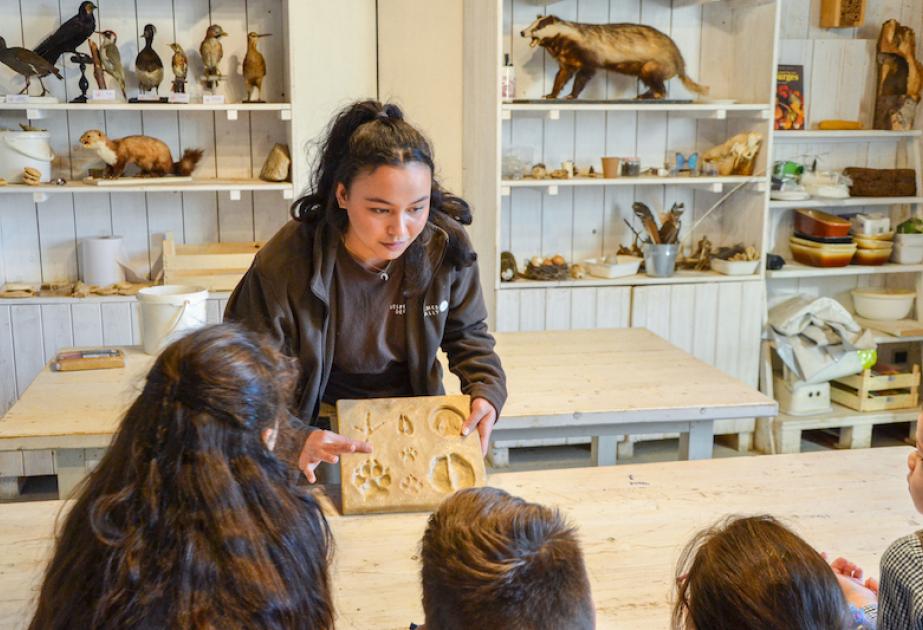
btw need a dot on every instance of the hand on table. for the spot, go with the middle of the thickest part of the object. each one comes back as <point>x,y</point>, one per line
<point>327,446</point>
<point>859,593</point>
<point>483,416</point>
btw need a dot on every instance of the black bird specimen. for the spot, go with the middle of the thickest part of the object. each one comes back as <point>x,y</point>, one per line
<point>25,62</point>
<point>148,64</point>
<point>69,35</point>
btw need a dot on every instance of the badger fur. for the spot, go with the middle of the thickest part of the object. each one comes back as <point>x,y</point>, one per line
<point>632,49</point>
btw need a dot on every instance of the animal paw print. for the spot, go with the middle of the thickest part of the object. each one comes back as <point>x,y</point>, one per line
<point>411,484</point>
<point>405,426</point>
<point>372,478</point>
<point>408,454</point>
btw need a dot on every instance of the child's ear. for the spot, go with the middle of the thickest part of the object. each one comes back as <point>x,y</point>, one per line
<point>341,195</point>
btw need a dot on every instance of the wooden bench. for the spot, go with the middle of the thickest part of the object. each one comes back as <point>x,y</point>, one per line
<point>633,521</point>
<point>562,384</point>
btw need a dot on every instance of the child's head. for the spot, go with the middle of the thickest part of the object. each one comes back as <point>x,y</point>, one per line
<point>189,520</point>
<point>915,476</point>
<point>752,573</point>
<point>491,560</point>
<point>374,168</point>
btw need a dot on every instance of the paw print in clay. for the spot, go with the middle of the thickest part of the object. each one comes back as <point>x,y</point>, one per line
<point>372,478</point>
<point>411,485</point>
<point>408,454</point>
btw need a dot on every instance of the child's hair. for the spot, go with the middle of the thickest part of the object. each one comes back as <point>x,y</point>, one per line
<point>189,521</point>
<point>362,137</point>
<point>753,573</point>
<point>491,560</point>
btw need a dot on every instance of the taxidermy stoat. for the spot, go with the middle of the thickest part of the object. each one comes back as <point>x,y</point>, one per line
<point>150,154</point>
<point>632,49</point>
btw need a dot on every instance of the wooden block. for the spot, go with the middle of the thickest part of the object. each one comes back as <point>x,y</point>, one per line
<point>858,436</point>
<point>419,455</point>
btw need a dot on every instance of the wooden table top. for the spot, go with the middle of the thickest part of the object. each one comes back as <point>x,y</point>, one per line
<point>633,521</point>
<point>552,377</point>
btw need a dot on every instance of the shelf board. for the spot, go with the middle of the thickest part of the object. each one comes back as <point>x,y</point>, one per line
<point>680,277</point>
<point>162,107</point>
<point>863,135</point>
<point>845,203</point>
<point>197,185</point>
<point>797,270</point>
<point>649,180</point>
<point>92,299</point>
<point>712,110</point>
<point>840,413</point>
<point>731,3</point>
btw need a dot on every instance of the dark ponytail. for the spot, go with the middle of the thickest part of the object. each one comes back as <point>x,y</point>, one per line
<point>362,137</point>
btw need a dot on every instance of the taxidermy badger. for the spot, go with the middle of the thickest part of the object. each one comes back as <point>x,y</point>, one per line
<point>151,155</point>
<point>632,49</point>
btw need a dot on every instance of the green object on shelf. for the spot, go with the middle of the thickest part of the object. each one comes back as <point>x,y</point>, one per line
<point>868,358</point>
<point>787,170</point>
<point>911,226</point>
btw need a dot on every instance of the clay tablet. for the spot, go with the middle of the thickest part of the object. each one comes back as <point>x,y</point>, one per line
<point>419,455</point>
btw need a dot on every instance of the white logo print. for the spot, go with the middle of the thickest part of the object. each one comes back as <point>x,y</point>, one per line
<point>432,310</point>
<point>398,309</point>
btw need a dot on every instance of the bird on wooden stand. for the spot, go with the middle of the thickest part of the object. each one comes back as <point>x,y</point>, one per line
<point>212,51</point>
<point>148,65</point>
<point>111,58</point>
<point>26,63</point>
<point>254,68</point>
<point>180,67</point>
<point>69,35</point>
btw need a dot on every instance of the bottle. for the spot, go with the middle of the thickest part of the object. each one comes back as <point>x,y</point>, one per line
<point>507,79</point>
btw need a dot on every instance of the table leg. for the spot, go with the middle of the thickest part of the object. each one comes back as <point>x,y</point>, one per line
<point>603,449</point>
<point>70,464</point>
<point>698,442</point>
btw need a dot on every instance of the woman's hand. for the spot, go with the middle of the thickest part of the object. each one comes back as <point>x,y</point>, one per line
<point>327,446</point>
<point>483,416</point>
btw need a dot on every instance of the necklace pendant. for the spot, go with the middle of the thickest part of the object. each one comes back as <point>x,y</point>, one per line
<point>384,276</point>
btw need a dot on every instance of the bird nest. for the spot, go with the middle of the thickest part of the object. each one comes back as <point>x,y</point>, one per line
<point>548,271</point>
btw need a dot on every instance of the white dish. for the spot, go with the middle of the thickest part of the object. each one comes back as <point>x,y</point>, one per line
<point>883,304</point>
<point>613,266</point>
<point>734,267</point>
<point>904,254</point>
<point>789,195</point>
<point>912,240</point>
<point>867,224</point>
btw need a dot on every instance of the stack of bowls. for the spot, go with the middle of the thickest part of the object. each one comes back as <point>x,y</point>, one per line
<point>821,239</point>
<point>874,238</point>
<point>908,249</point>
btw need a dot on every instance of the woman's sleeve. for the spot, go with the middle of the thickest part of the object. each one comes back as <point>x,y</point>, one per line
<point>256,305</point>
<point>468,344</point>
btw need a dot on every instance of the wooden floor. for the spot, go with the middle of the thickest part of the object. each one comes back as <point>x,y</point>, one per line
<point>633,522</point>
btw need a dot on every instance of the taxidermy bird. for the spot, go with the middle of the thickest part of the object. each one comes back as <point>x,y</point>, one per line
<point>111,58</point>
<point>254,68</point>
<point>180,67</point>
<point>25,62</point>
<point>148,65</point>
<point>212,51</point>
<point>69,35</point>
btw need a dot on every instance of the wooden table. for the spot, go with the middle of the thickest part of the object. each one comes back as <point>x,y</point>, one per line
<point>602,383</point>
<point>633,521</point>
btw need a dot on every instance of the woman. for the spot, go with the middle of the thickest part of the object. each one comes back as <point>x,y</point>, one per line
<point>189,520</point>
<point>375,274</point>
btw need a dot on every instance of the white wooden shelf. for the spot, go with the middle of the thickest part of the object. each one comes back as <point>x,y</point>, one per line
<point>715,184</point>
<point>731,3</point>
<point>863,135</point>
<point>845,203</point>
<point>680,277</point>
<point>719,111</point>
<point>38,110</point>
<point>230,185</point>
<point>92,299</point>
<point>797,270</point>
<point>840,413</point>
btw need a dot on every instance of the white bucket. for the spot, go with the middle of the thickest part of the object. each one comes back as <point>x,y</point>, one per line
<point>19,149</point>
<point>169,312</point>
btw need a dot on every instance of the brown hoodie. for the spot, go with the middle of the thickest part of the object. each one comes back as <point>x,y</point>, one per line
<point>286,295</point>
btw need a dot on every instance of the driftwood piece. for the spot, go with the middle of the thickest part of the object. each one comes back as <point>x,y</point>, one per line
<point>277,165</point>
<point>900,78</point>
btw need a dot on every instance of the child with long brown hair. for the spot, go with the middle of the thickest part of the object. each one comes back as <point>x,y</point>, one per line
<point>753,573</point>
<point>190,521</point>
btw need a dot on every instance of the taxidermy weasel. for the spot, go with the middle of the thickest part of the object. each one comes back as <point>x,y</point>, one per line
<point>633,49</point>
<point>150,154</point>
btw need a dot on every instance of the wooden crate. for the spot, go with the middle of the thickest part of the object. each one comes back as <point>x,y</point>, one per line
<point>215,266</point>
<point>863,391</point>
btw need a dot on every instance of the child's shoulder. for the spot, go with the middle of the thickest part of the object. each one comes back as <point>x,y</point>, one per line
<point>909,547</point>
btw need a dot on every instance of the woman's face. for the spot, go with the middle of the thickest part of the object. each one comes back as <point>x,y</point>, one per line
<point>915,464</point>
<point>387,210</point>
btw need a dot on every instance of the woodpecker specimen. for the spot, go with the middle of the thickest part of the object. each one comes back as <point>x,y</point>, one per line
<point>254,68</point>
